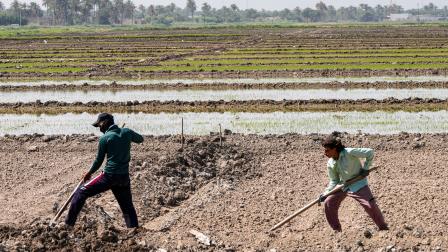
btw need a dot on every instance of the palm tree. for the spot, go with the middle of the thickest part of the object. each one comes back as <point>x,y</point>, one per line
<point>86,7</point>
<point>35,11</point>
<point>129,9</point>
<point>191,5</point>
<point>50,6</point>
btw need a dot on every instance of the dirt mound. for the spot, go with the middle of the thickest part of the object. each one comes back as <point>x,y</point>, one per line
<point>229,196</point>
<point>160,184</point>
<point>175,178</point>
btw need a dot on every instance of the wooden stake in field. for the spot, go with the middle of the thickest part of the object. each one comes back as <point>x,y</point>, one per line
<point>182,139</point>
<point>335,190</point>
<point>220,135</point>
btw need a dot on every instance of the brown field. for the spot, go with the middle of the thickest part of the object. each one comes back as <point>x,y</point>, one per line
<point>233,194</point>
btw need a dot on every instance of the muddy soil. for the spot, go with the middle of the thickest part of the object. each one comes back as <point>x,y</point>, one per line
<point>232,194</point>
<point>388,104</point>
<point>117,72</point>
<point>116,85</point>
<point>144,44</point>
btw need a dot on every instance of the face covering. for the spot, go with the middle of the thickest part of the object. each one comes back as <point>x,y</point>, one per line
<point>104,126</point>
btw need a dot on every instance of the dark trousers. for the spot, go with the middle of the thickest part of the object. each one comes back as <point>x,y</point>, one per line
<point>120,185</point>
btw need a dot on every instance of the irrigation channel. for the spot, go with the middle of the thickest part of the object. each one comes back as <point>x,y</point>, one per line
<point>256,123</point>
<point>216,95</point>
<point>372,79</point>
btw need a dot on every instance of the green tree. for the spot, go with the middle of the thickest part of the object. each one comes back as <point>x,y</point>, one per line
<point>311,15</point>
<point>430,9</point>
<point>206,10</point>
<point>297,13</point>
<point>129,9</point>
<point>105,9</point>
<point>50,6</point>
<point>366,13</point>
<point>35,11</point>
<point>118,11</point>
<point>2,6</point>
<point>322,9</point>
<point>191,6</point>
<point>86,8</point>
<point>380,12</point>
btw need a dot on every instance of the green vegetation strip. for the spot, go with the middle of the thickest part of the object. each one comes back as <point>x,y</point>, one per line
<point>128,49</point>
<point>298,55</point>
<point>304,61</point>
<point>3,62</point>
<point>19,36</point>
<point>342,51</point>
<point>38,65</point>
<point>286,67</point>
<point>45,70</point>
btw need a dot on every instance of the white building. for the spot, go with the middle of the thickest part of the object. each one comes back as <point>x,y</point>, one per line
<point>399,16</point>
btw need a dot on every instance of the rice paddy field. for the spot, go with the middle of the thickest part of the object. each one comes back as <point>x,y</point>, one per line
<point>273,91</point>
<point>389,68</point>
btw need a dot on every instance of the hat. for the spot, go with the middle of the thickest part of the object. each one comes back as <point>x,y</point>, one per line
<point>103,117</point>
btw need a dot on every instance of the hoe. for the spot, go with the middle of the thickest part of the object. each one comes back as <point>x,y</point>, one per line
<point>316,201</point>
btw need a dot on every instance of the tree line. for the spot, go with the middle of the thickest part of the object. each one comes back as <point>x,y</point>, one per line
<point>104,12</point>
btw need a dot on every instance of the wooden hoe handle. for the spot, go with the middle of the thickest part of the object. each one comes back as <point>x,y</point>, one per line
<point>335,190</point>
<point>53,221</point>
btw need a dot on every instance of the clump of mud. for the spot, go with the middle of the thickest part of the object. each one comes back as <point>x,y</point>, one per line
<point>157,185</point>
<point>175,178</point>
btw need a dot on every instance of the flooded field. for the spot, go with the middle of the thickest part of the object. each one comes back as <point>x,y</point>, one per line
<point>257,123</point>
<point>438,78</point>
<point>216,95</point>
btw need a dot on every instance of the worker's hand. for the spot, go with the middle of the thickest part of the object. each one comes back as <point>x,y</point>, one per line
<point>364,172</point>
<point>86,176</point>
<point>322,198</point>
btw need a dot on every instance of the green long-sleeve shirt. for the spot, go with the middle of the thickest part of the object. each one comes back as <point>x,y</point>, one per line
<point>348,166</point>
<point>116,144</point>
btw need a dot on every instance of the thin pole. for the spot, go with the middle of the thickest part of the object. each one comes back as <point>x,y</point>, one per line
<point>66,204</point>
<point>182,134</point>
<point>220,135</point>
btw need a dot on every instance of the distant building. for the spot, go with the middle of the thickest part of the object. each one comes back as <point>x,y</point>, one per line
<point>399,16</point>
<point>426,18</point>
<point>410,17</point>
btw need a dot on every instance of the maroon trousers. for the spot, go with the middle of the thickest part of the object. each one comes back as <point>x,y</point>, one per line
<point>364,197</point>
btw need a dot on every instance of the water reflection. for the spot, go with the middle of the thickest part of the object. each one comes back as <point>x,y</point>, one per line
<point>215,95</point>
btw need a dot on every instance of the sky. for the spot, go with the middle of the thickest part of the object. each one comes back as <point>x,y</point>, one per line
<point>278,4</point>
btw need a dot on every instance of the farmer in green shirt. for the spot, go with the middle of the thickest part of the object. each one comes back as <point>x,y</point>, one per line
<point>344,164</point>
<point>115,144</point>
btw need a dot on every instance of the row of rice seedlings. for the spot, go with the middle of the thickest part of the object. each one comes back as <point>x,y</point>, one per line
<point>225,56</point>
<point>127,49</point>
<point>98,53</point>
<point>124,37</point>
<point>305,61</point>
<point>232,68</point>
<point>79,60</point>
<point>119,44</point>
<point>76,56</point>
<point>358,40</point>
<point>46,70</point>
<point>259,123</point>
<point>350,45</point>
<point>6,66</point>
<point>341,51</point>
